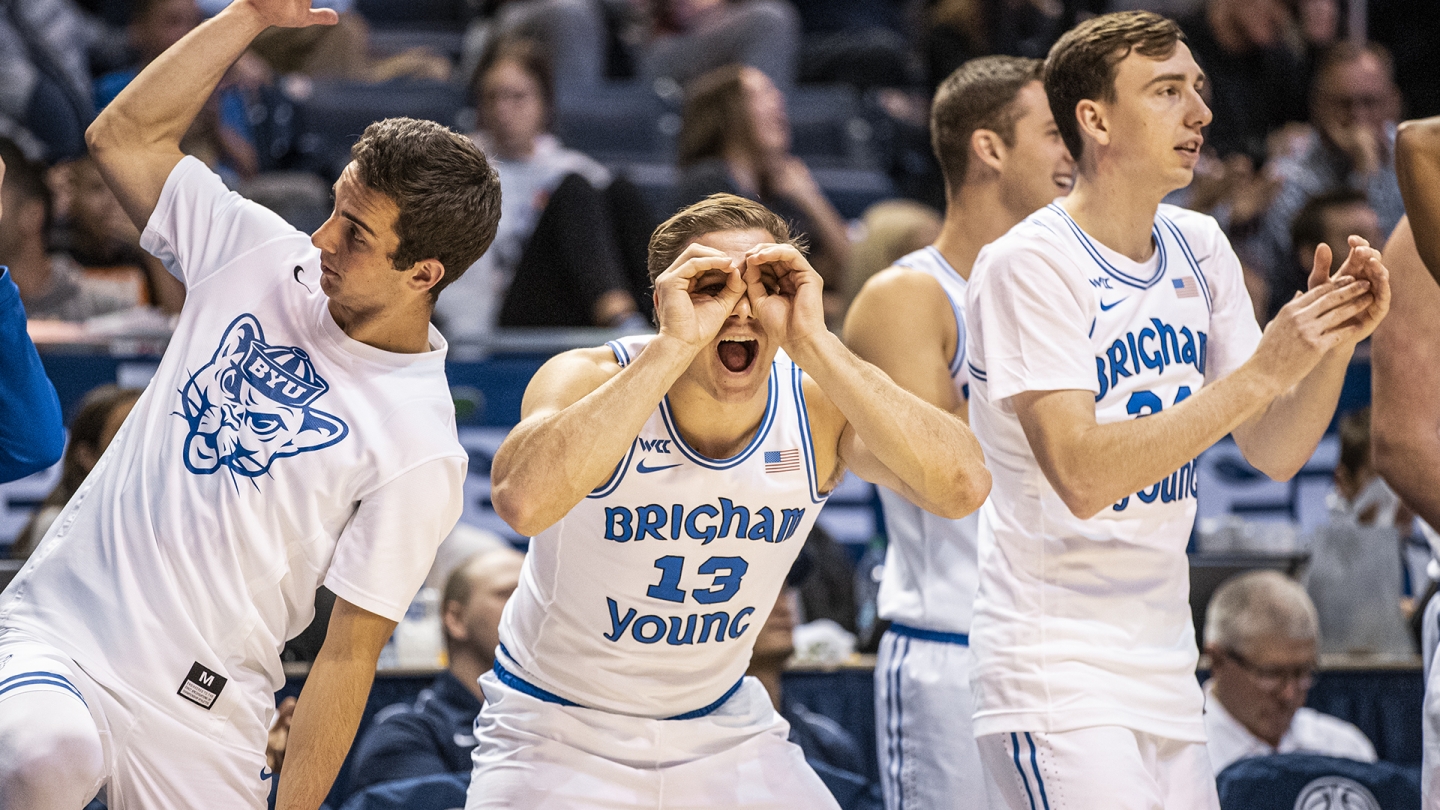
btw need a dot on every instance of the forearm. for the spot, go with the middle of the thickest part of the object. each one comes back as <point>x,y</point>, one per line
<point>1281,438</point>
<point>326,718</point>
<point>1417,165</point>
<point>1092,466</point>
<point>548,465</point>
<point>931,452</point>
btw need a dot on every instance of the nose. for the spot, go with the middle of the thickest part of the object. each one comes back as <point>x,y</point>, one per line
<point>1200,111</point>
<point>742,309</point>
<point>323,238</point>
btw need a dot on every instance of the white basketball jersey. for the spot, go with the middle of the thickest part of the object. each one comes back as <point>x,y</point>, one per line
<point>1083,622</point>
<point>931,562</point>
<point>646,598</point>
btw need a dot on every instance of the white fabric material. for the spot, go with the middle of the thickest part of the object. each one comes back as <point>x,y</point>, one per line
<point>176,768</point>
<point>1086,622</point>
<point>543,756</point>
<point>271,453</point>
<point>1099,768</point>
<point>622,603</point>
<point>1310,732</point>
<point>470,307</point>
<point>51,754</point>
<point>927,751</point>
<point>931,562</point>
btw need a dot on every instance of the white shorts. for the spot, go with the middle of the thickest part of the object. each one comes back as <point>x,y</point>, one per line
<point>1430,723</point>
<point>545,756</point>
<point>150,760</point>
<point>923,723</point>
<point>1101,768</point>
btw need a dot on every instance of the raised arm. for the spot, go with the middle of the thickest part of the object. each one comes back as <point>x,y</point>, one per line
<point>1417,165</point>
<point>556,455</point>
<point>884,433</point>
<point>331,704</point>
<point>1091,465</point>
<point>1405,376</point>
<point>902,322</point>
<point>136,139</point>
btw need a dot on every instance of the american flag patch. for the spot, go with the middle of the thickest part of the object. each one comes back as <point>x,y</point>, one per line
<point>779,461</point>
<point>1185,287</point>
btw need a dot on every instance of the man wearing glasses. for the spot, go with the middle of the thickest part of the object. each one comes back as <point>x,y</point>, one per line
<point>1260,632</point>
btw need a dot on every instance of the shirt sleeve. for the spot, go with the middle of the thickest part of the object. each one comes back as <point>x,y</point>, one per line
<point>386,550</point>
<point>199,226</point>
<point>1029,331</point>
<point>32,434</point>
<point>1234,334</point>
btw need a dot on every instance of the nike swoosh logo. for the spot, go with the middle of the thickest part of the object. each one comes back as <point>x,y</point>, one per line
<point>266,774</point>
<point>1107,307</point>
<point>641,468</point>
<point>298,271</point>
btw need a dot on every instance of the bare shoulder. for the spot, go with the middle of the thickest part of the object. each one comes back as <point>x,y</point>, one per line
<point>896,304</point>
<point>567,378</point>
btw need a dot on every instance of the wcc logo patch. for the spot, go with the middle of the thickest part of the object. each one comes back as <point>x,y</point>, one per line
<point>252,404</point>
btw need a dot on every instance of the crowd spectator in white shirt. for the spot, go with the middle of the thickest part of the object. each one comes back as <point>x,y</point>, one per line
<point>1260,633</point>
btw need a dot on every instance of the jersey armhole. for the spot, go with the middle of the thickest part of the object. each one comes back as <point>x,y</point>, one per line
<point>806,441</point>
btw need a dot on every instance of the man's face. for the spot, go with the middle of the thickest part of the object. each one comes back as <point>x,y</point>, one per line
<point>1155,121</point>
<point>22,225</point>
<point>1358,93</point>
<point>95,214</point>
<point>356,245</point>
<point>1264,682</point>
<point>1037,168</point>
<point>736,365</point>
<point>493,578</point>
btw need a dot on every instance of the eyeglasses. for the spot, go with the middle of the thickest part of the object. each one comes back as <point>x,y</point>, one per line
<point>1274,678</point>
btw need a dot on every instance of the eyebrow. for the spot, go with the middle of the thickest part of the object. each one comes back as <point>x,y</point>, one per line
<point>1174,77</point>
<point>350,216</point>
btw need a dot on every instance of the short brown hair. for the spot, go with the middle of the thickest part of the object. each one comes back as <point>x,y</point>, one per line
<point>1082,64</point>
<point>980,94</point>
<point>718,212</point>
<point>447,192</point>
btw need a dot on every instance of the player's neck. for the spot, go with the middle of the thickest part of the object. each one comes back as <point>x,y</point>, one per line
<point>974,217</point>
<point>715,429</point>
<point>398,329</point>
<point>1113,211</point>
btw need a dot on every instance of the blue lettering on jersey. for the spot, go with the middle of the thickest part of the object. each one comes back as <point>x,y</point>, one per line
<point>623,523</point>
<point>1101,282</point>
<point>1153,348</point>
<point>676,630</point>
<point>254,403</point>
<point>655,445</point>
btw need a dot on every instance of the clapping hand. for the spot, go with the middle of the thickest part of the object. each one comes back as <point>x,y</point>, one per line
<point>1363,264</point>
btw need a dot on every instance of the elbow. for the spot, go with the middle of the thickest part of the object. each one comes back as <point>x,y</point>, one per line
<point>1081,497</point>
<point>519,511</point>
<point>963,494</point>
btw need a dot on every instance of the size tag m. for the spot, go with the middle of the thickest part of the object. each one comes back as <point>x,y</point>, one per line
<point>202,686</point>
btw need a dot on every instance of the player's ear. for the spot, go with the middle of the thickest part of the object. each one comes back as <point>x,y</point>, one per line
<point>1090,115</point>
<point>425,274</point>
<point>988,147</point>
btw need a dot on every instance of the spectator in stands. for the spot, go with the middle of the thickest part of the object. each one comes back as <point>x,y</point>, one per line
<point>45,74</point>
<point>572,32</point>
<point>221,136</point>
<point>735,138</point>
<point>693,37</point>
<point>1260,633</point>
<point>1329,218</point>
<point>94,231</point>
<point>1256,81</point>
<point>1354,107</point>
<point>101,413</point>
<point>32,436</point>
<point>555,260</point>
<point>52,286</point>
<point>434,735</point>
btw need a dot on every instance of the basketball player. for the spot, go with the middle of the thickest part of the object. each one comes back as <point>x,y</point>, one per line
<point>668,484</point>
<point>1094,312</point>
<point>1002,158</point>
<point>1405,360</point>
<point>299,431</point>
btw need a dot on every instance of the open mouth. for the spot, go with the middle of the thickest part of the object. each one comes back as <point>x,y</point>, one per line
<point>737,354</point>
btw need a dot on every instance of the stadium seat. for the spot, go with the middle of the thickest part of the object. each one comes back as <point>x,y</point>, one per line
<point>333,115</point>
<point>441,791</point>
<point>618,122</point>
<point>414,13</point>
<point>1305,781</point>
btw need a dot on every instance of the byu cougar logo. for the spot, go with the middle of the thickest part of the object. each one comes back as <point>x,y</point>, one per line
<point>251,404</point>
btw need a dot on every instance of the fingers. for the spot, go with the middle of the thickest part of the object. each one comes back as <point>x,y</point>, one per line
<point>323,16</point>
<point>1320,270</point>
<point>1340,305</point>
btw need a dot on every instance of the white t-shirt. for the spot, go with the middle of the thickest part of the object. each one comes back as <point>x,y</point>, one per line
<point>1310,732</point>
<point>931,562</point>
<point>1086,622</point>
<point>647,597</point>
<point>271,453</point>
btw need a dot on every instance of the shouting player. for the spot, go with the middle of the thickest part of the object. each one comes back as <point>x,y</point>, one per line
<point>669,483</point>
<point>1111,341</point>
<point>299,431</point>
<point>1002,158</point>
